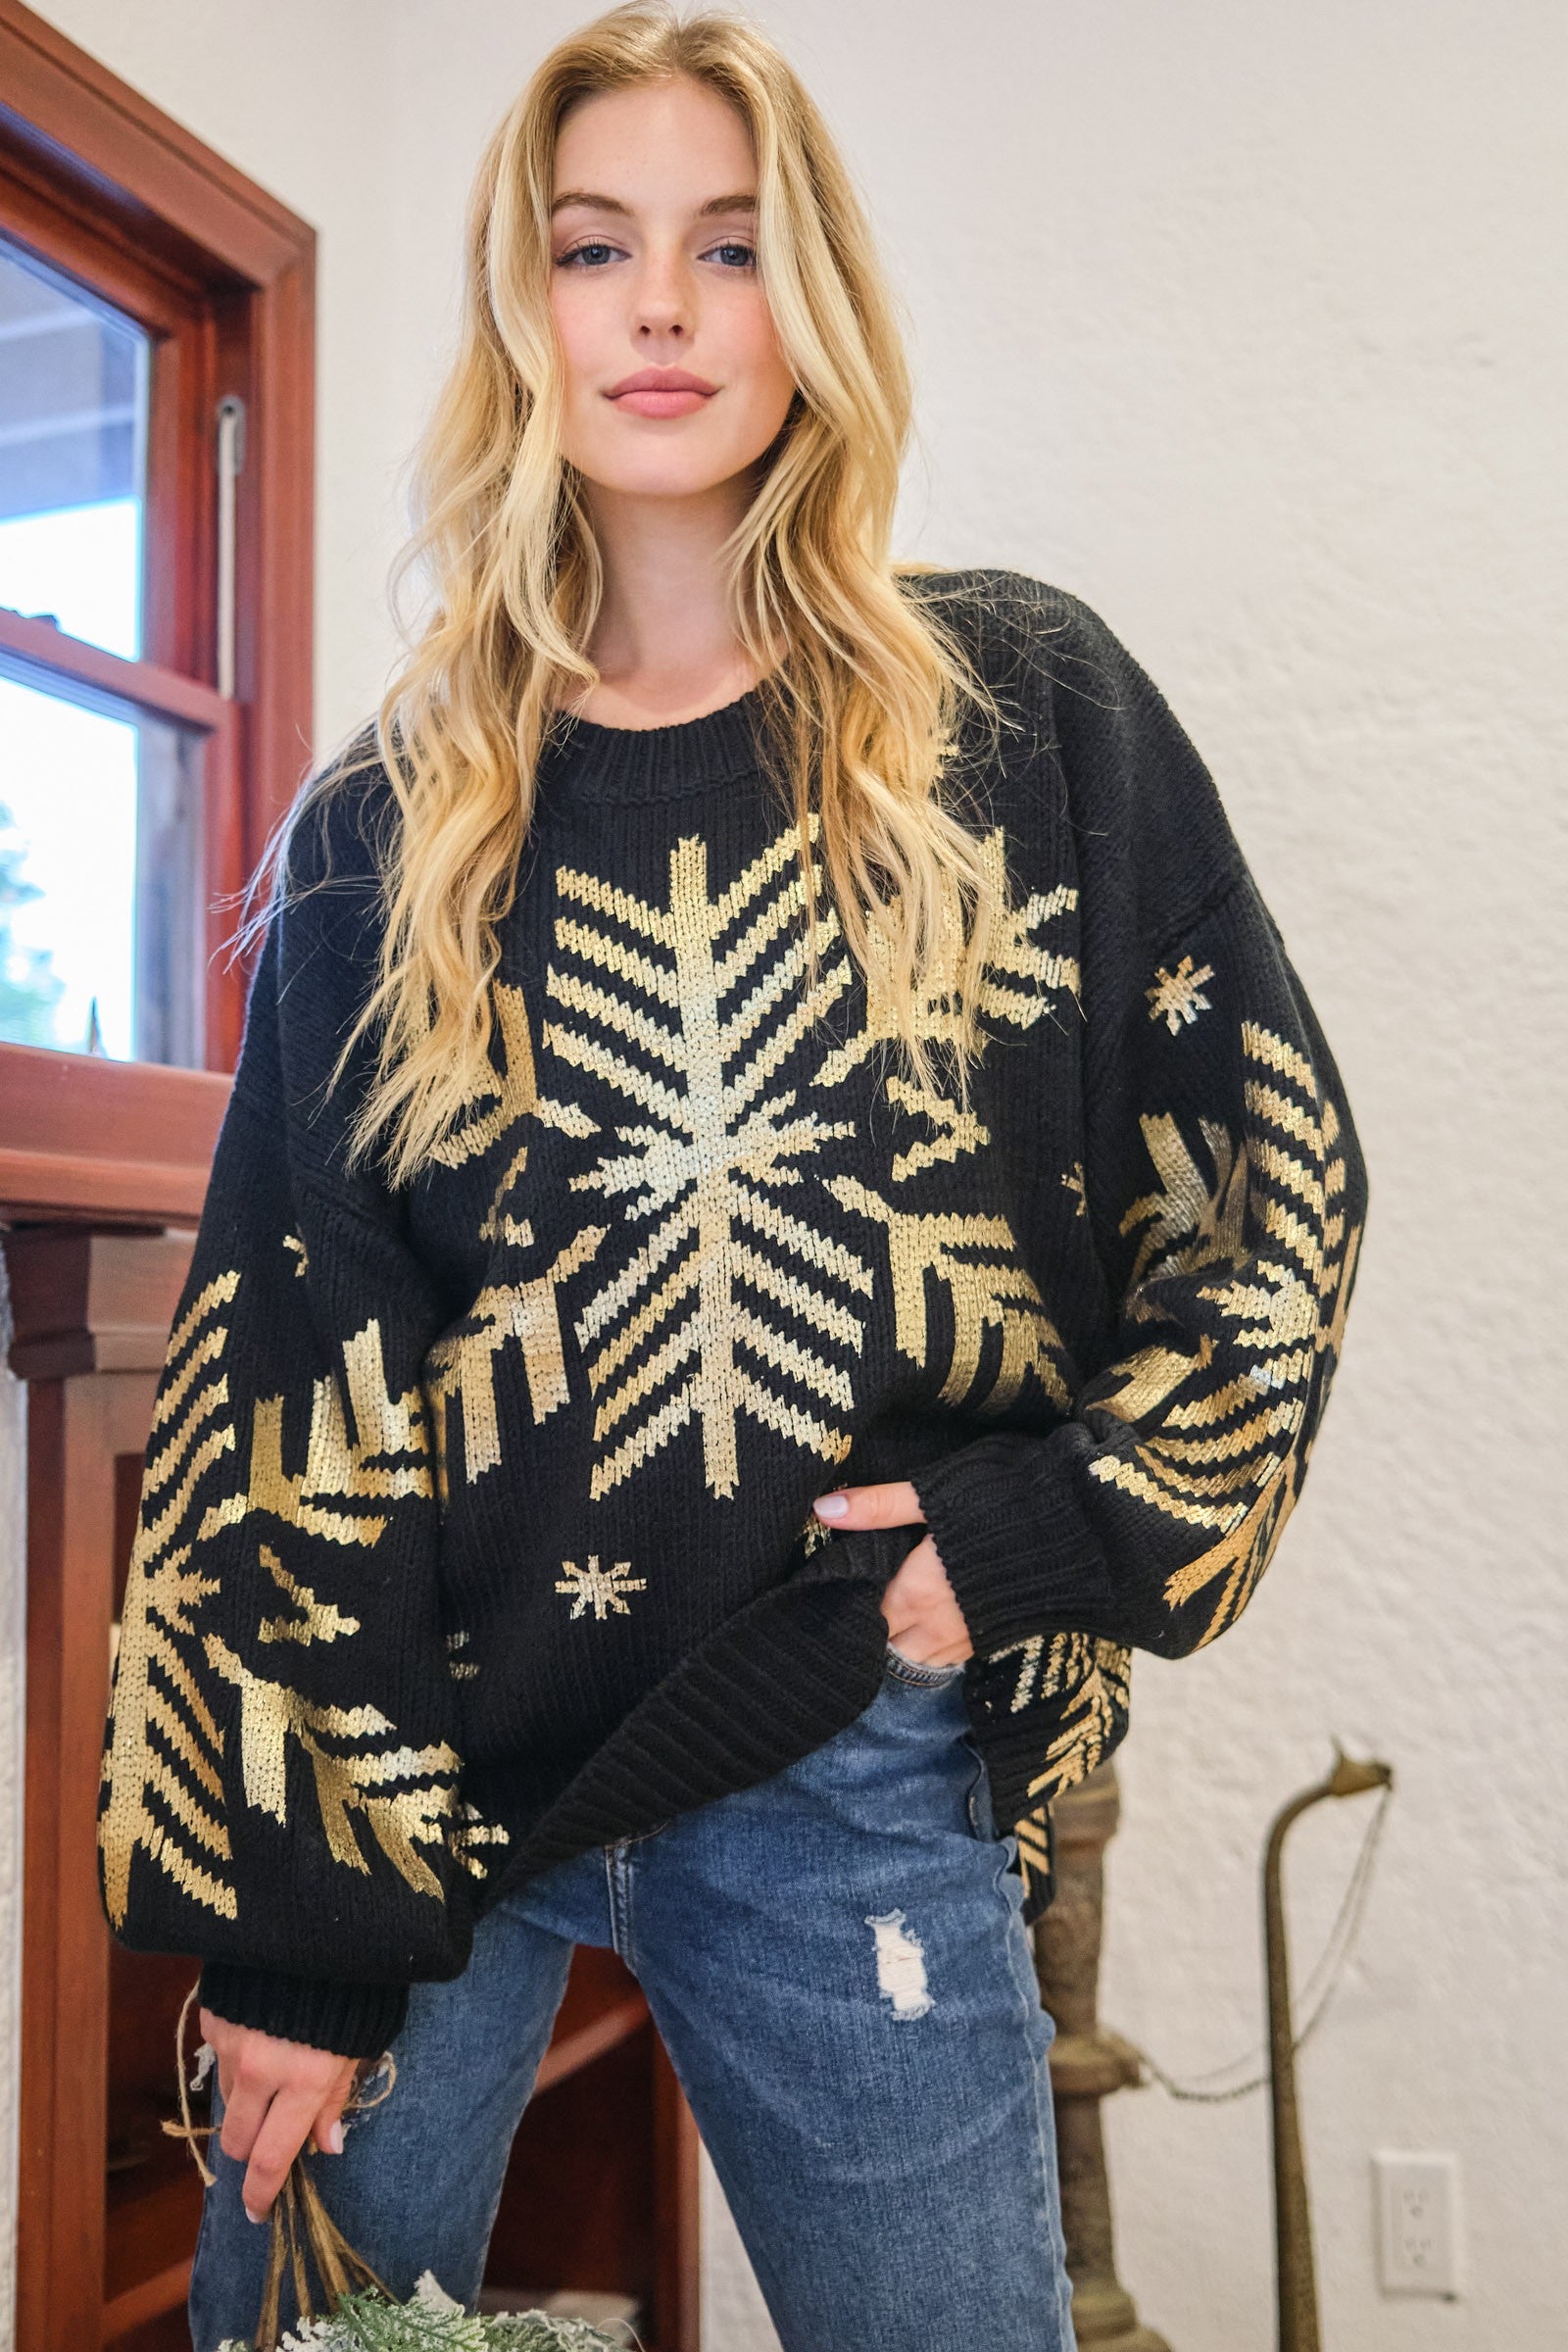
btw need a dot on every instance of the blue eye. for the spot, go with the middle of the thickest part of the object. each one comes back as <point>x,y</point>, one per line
<point>577,253</point>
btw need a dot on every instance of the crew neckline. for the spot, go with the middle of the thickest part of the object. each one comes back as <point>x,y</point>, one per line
<point>643,763</point>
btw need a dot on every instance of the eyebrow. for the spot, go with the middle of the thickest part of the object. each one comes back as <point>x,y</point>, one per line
<point>744,202</point>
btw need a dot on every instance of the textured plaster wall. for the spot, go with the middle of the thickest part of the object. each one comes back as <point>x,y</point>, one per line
<point>1244,323</point>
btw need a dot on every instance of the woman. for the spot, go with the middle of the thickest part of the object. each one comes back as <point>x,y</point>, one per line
<point>783,1208</point>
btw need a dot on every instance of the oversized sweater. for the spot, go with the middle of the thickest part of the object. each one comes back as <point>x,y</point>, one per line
<point>476,1525</point>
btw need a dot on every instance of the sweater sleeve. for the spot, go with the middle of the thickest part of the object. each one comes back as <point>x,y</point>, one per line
<point>1226,1193</point>
<point>282,1792</point>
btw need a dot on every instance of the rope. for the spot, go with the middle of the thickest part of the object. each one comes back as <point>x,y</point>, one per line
<point>185,2129</point>
<point>1317,1991</point>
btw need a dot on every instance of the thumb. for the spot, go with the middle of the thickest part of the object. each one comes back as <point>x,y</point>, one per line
<point>896,1504</point>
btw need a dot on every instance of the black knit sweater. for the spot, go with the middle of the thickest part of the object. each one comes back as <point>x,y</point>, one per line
<point>476,1524</point>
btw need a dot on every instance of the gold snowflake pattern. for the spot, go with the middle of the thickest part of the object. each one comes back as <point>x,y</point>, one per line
<point>976,1260</point>
<point>1085,1684</point>
<point>170,1737</point>
<point>1025,980</point>
<point>471,1831</point>
<point>1189,1220</point>
<point>1176,997</point>
<point>1227,1456</point>
<point>600,1588</point>
<point>732,1306</point>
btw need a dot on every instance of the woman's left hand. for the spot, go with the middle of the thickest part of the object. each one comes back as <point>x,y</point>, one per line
<point>923,1615</point>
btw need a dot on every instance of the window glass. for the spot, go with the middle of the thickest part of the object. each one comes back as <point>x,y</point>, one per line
<point>101,926</point>
<point>72,457</point>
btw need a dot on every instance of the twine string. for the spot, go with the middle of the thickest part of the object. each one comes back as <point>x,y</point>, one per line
<point>192,2134</point>
<point>302,2230</point>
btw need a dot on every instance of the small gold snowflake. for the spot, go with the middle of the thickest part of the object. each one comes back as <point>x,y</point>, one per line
<point>603,1587</point>
<point>1178,996</point>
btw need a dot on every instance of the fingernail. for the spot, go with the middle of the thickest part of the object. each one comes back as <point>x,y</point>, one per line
<point>832,1506</point>
<point>333,2142</point>
<point>257,2218</point>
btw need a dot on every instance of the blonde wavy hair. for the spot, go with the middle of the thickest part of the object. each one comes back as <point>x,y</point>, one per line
<point>863,706</point>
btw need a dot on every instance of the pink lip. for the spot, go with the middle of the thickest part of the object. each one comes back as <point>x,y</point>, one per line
<point>662,392</point>
<point>660,404</point>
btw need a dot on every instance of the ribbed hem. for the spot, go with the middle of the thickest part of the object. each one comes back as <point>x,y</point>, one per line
<point>356,2020</point>
<point>649,763</point>
<point>1020,1555</point>
<point>776,1680</point>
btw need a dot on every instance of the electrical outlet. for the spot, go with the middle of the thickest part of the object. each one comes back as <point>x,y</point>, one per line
<point>1417,2224</point>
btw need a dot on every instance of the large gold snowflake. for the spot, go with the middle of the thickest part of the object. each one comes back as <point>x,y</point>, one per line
<point>732,1305</point>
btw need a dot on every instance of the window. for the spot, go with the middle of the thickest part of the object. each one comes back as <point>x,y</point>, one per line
<point>72,455</point>
<point>156,369</point>
<point>100,804</point>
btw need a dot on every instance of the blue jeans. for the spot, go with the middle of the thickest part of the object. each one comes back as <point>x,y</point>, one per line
<point>837,1965</point>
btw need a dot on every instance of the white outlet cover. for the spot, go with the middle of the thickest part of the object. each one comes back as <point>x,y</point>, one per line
<point>1417,2223</point>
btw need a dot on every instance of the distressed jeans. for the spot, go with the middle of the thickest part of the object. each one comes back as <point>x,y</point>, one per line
<point>837,1965</point>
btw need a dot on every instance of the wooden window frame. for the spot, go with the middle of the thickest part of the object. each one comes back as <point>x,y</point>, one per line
<point>105,187</point>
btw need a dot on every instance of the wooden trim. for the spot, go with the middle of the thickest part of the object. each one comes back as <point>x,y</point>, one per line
<point>127,1141</point>
<point>568,2051</point>
<point>90,127</point>
<point>74,1431</point>
<point>93,1301</point>
<point>277,531</point>
<point>225,864</point>
<point>63,230</point>
<point>50,654</point>
<point>165,2292</point>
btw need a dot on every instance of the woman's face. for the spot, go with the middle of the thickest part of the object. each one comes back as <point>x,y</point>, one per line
<point>653,269</point>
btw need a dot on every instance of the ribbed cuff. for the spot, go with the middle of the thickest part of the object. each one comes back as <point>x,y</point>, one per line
<point>356,2020</point>
<point>1020,1555</point>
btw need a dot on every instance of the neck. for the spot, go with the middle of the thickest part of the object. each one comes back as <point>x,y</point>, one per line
<point>663,641</point>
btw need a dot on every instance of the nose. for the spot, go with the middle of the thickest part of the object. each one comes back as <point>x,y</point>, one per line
<point>662,297</point>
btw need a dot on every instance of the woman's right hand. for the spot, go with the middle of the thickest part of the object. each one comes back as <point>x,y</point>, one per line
<point>276,2095</point>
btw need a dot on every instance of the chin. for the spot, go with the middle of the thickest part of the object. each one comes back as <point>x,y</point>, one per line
<point>678,477</point>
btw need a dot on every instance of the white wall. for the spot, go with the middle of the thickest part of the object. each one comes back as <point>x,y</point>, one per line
<point>1244,323</point>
